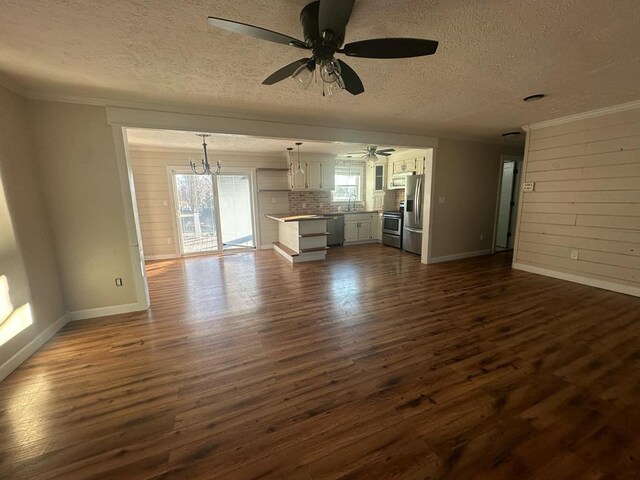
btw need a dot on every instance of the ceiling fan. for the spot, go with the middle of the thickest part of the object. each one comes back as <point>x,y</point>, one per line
<point>323,24</point>
<point>371,153</point>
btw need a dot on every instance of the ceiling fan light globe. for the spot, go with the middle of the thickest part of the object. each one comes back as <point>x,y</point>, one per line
<point>333,88</point>
<point>330,71</point>
<point>303,76</point>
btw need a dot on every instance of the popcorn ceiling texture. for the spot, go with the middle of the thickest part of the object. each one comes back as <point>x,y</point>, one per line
<point>492,53</point>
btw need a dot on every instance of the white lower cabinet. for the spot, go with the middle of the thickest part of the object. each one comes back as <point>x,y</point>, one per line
<point>359,227</point>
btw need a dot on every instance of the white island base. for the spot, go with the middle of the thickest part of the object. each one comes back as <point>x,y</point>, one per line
<point>301,238</point>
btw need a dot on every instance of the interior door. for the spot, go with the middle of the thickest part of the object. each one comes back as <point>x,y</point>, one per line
<point>504,208</point>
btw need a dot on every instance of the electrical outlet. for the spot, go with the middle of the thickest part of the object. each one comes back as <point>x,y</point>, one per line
<point>118,282</point>
<point>574,254</point>
<point>165,203</point>
<point>304,205</point>
<point>482,236</point>
<point>274,200</point>
<point>169,241</point>
<point>528,186</point>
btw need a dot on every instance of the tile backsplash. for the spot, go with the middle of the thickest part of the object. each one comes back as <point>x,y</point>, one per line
<point>399,197</point>
<point>310,202</point>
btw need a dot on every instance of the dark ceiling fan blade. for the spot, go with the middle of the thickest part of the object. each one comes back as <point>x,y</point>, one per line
<point>334,16</point>
<point>285,72</point>
<point>385,150</point>
<point>352,82</point>
<point>256,32</point>
<point>384,154</point>
<point>390,48</point>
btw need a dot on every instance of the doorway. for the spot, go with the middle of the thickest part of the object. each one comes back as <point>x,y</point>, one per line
<point>508,197</point>
<point>213,213</point>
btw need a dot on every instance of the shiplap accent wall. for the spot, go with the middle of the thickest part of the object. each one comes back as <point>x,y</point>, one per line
<point>586,199</point>
<point>153,189</point>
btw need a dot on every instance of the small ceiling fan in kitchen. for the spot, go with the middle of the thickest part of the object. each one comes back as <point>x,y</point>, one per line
<point>324,24</point>
<point>371,152</point>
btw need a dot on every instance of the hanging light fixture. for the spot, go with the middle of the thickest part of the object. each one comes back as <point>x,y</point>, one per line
<point>299,168</point>
<point>371,155</point>
<point>290,172</point>
<point>330,75</point>
<point>206,168</point>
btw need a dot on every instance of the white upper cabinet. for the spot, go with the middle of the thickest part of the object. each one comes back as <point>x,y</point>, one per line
<point>328,175</point>
<point>319,174</point>
<point>314,179</point>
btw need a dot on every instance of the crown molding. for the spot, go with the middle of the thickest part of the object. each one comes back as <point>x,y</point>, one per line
<point>582,116</point>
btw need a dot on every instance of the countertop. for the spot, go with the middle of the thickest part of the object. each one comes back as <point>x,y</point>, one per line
<point>292,217</point>
<point>352,212</point>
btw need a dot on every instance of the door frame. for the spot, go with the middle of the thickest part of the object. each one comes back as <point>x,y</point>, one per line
<point>177,235</point>
<point>516,194</point>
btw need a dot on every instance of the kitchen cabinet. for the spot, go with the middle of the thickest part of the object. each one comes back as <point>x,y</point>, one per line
<point>298,181</point>
<point>328,176</point>
<point>359,227</point>
<point>313,176</point>
<point>317,176</point>
<point>379,177</point>
<point>404,165</point>
<point>378,201</point>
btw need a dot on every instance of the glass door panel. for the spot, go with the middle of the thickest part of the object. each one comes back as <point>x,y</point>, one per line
<point>196,213</point>
<point>236,212</point>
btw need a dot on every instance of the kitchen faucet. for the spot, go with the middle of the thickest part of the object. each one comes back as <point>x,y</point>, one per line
<point>355,197</point>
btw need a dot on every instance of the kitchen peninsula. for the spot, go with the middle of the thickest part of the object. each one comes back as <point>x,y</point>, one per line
<point>301,238</point>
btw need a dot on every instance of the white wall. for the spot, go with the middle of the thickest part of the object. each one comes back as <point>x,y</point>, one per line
<point>586,199</point>
<point>466,176</point>
<point>153,189</point>
<point>76,160</point>
<point>26,248</point>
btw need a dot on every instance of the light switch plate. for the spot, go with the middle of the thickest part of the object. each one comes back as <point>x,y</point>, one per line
<point>441,200</point>
<point>574,254</point>
<point>528,186</point>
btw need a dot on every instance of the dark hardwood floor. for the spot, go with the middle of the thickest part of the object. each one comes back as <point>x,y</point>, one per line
<point>369,365</point>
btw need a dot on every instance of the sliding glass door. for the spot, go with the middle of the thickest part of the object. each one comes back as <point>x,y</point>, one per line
<point>236,213</point>
<point>213,213</point>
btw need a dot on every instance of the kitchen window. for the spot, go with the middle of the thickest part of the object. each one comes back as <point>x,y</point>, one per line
<point>349,181</point>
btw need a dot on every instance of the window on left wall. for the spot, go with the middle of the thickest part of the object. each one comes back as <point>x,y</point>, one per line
<point>349,181</point>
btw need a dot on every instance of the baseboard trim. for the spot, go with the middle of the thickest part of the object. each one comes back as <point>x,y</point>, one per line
<point>266,247</point>
<point>105,311</point>
<point>571,277</point>
<point>167,256</point>
<point>30,348</point>
<point>460,256</point>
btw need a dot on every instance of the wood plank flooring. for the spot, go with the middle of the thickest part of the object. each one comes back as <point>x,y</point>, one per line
<point>369,366</point>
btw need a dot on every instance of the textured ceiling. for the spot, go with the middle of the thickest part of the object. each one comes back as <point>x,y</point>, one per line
<point>492,53</point>
<point>235,143</point>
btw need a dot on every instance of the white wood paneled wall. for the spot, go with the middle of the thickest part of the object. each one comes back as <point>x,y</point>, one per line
<point>586,199</point>
<point>153,189</point>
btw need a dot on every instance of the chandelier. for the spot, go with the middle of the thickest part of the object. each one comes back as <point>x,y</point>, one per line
<point>206,168</point>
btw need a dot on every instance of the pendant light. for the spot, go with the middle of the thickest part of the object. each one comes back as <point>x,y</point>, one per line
<point>290,172</point>
<point>206,168</point>
<point>299,169</point>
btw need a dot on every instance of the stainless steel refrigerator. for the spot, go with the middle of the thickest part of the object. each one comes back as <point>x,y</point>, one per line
<point>413,201</point>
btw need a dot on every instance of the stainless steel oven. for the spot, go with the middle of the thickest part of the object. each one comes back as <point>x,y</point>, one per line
<point>392,229</point>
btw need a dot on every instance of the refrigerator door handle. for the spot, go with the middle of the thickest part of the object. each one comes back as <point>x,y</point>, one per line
<point>418,202</point>
<point>413,230</point>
